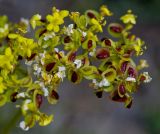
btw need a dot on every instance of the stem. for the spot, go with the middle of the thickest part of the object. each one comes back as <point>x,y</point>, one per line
<point>7,129</point>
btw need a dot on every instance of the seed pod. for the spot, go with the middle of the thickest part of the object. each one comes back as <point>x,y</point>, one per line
<point>71,56</point>
<point>31,57</point>
<point>118,48</point>
<point>39,100</point>
<point>59,55</point>
<point>121,90</point>
<point>128,54</point>
<point>110,74</point>
<point>67,39</point>
<point>42,32</point>
<point>115,29</point>
<point>107,42</point>
<point>115,97</point>
<point>74,77</point>
<point>142,78</point>
<point>53,97</point>
<point>99,94</point>
<point>82,39</point>
<point>124,66</point>
<point>50,66</point>
<point>90,44</point>
<point>85,61</point>
<point>20,57</point>
<point>104,65</point>
<point>102,53</point>
<point>91,14</point>
<point>13,97</point>
<point>128,102</point>
<point>89,72</point>
<point>132,72</point>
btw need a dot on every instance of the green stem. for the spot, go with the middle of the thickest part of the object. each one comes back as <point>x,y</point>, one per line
<point>9,126</point>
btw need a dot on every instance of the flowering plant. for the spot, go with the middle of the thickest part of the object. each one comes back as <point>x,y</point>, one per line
<point>31,69</point>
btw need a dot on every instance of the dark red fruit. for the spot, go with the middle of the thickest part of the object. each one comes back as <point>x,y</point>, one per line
<point>82,39</point>
<point>124,66</point>
<point>99,94</point>
<point>129,104</point>
<point>59,56</point>
<point>102,54</point>
<point>119,49</point>
<point>39,100</point>
<point>42,32</point>
<point>67,39</point>
<point>83,61</point>
<point>107,42</point>
<point>50,66</point>
<point>108,74</point>
<point>91,15</point>
<point>54,95</point>
<point>142,78</point>
<point>115,97</point>
<point>122,89</point>
<point>20,57</point>
<point>99,71</point>
<point>74,77</point>
<point>116,29</point>
<point>72,56</point>
<point>131,72</point>
<point>89,44</point>
<point>128,54</point>
<point>31,57</point>
<point>13,96</point>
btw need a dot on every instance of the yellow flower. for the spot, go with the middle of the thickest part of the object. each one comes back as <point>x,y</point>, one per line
<point>45,120</point>
<point>56,19</point>
<point>35,21</point>
<point>23,46</point>
<point>2,86</point>
<point>96,25</point>
<point>7,59</point>
<point>129,18</point>
<point>138,47</point>
<point>105,11</point>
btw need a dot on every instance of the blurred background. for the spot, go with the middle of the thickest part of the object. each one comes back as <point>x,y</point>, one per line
<point>79,111</point>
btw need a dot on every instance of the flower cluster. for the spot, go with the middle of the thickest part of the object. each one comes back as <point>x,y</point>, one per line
<point>32,69</point>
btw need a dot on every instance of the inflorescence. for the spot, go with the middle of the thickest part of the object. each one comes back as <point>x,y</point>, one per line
<point>31,69</point>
